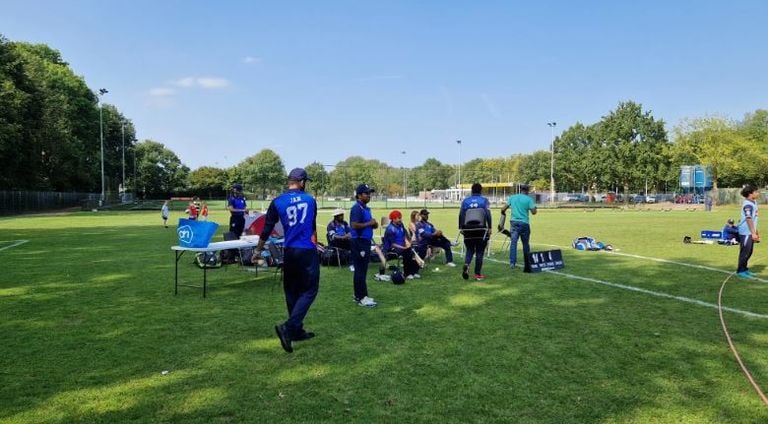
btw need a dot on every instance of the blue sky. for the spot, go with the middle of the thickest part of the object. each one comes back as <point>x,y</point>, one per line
<point>324,80</point>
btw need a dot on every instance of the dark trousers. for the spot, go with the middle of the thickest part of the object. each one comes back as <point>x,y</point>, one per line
<point>522,231</point>
<point>301,281</point>
<point>361,255</point>
<point>440,242</point>
<point>475,243</point>
<point>745,252</point>
<point>237,224</point>
<point>410,266</point>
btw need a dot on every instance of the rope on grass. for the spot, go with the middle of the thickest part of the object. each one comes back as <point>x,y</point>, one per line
<point>732,347</point>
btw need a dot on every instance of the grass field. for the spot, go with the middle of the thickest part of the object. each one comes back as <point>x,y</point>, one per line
<point>89,323</point>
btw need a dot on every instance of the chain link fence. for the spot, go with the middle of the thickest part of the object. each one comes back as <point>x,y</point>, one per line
<point>15,202</point>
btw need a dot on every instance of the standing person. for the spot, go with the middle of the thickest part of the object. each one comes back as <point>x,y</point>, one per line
<point>519,224</point>
<point>708,203</point>
<point>165,212</point>
<point>427,235</point>
<point>396,241</point>
<point>204,212</point>
<point>363,224</point>
<point>475,225</point>
<point>192,210</point>
<point>237,209</point>
<point>297,211</point>
<point>748,233</point>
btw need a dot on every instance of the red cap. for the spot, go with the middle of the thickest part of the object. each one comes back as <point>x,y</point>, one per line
<point>395,214</point>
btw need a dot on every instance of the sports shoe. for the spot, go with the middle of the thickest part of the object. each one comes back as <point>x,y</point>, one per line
<point>479,277</point>
<point>745,274</point>
<point>285,339</point>
<point>464,273</point>
<point>417,276</point>
<point>305,335</point>
<point>451,264</point>
<point>367,301</point>
<point>352,268</point>
<point>751,274</point>
<point>382,277</point>
<point>512,266</point>
<point>410,277</point>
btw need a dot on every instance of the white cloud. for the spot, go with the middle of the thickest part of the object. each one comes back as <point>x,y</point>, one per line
<point>212,82</point>
<point>185,82</point>
<point>162,92</point>
<point>251,59</point>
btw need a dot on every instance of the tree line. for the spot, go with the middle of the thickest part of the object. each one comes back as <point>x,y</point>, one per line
<point>50,140</point>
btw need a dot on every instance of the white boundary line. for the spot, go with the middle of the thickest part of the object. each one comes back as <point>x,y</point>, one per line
<point>659,294</point>
<point>652,293</point>
<point>17,243</point>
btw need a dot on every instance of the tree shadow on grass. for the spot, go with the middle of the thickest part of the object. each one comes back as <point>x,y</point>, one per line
<point>90,341</point>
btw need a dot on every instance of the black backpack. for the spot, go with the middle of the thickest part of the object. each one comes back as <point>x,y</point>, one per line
<point>230,256</point>
<point>474,219</point>
<point>398,277</point>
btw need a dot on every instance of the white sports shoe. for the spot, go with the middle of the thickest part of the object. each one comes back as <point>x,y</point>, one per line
<point>417,276</point>
<point>367,301</point>
<point>451,264</point>
<point>352,268</point>
<point>410,277</point>
<point>382,277</point>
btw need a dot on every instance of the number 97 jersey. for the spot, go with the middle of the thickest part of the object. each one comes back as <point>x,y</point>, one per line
<point>297,211</point>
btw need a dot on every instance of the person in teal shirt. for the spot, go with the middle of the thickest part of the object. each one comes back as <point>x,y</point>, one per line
<point>520,227</point>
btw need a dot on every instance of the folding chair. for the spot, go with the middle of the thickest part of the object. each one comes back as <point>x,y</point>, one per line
<point>277,254</point>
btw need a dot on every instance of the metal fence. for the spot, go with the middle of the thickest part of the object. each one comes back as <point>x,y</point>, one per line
<point>14,202</point>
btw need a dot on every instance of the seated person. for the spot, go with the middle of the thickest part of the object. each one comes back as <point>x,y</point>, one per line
<point>396,241</point>
<point>730,233</point>
<point>338,231</point>
<point>427,235</point>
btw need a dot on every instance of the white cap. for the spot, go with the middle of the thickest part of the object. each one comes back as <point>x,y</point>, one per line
<point>338,211</point>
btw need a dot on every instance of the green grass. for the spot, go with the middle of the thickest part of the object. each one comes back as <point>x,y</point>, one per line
<point>89,321</point>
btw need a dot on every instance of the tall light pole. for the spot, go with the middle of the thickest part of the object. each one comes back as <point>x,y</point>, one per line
<point>102,92</point>
<point>552,126</point>
<point>122,130</point>
<point>405,181</point>
<point>459,185</point>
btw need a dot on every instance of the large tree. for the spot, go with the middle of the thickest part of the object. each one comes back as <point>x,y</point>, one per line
<point>635,144</point>
<point>263,172</point>
<point>160,172</point>
<point>209,181</point>
<point>715,142</point>
<point>320,181</point>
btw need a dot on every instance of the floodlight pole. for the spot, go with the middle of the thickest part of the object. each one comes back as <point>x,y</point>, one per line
<point>122,130</point>
<point>552,126</point>
<point>405,181</point>
<point>459,185</point>
<point>102,92</point>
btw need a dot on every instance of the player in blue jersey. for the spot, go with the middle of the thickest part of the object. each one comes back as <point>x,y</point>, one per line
<point>475,226</point>
<point>397,241</point>
<point>297,211</point>
<point>427,235</point>
<point>520,226</point>
<point>237,209</point>
<point>748,233</point>
<point>362,222</point>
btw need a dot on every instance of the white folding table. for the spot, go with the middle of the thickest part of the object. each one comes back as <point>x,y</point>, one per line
<point>212,247</point>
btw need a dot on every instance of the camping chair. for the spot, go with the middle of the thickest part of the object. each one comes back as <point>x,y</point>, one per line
<point>277,254</point>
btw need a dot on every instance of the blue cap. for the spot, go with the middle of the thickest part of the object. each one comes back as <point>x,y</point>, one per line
<point>298,174</point>
<point>237,186</point>
<point>364,188</point>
